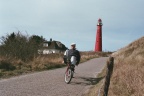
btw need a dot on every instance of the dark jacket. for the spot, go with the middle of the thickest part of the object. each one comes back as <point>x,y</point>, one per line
<point>72,52</point>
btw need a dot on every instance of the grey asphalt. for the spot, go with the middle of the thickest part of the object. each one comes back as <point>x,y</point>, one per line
<point>51,83</point>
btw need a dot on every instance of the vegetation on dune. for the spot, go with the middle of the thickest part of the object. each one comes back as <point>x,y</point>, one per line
<point>128,76</point>
<point>16,50</point>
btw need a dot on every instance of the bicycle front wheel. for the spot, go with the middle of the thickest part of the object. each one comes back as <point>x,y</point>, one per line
<point>68,76</point>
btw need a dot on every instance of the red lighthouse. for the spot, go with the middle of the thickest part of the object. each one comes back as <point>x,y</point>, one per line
<point>98,43</point>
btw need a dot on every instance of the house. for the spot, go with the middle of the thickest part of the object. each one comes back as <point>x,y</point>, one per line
<point>50,47</point>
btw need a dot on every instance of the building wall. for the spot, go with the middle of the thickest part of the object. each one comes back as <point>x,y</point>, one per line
<point>50,51</point>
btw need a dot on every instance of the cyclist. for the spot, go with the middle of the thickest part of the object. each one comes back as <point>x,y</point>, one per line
<point>72,55</point>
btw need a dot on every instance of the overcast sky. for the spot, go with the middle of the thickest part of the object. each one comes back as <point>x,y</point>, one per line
<point>75,21</point>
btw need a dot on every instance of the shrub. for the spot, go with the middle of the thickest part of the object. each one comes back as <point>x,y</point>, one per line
<point>6,65</point>
<point>19,46</point>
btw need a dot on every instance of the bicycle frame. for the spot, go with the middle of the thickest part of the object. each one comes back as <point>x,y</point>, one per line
<point>68,74</point>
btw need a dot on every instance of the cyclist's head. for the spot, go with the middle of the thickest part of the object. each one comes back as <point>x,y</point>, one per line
<point>73,45</point>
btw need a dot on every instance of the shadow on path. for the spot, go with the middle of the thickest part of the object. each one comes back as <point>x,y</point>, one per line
<point>86,81</point>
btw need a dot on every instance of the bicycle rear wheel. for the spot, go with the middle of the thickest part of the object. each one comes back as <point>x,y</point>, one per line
<point>68,75</point>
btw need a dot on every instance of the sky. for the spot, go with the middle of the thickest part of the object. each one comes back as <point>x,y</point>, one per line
<point>75,21</point>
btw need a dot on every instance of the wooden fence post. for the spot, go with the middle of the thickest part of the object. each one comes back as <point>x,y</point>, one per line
<point>109,71</point>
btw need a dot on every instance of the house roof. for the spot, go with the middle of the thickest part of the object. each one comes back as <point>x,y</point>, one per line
<point>55,45</point>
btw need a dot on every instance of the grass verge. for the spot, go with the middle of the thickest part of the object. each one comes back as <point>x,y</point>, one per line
<point>96,88</point>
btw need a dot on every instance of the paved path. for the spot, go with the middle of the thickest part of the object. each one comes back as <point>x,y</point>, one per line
<point>51,83</point>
